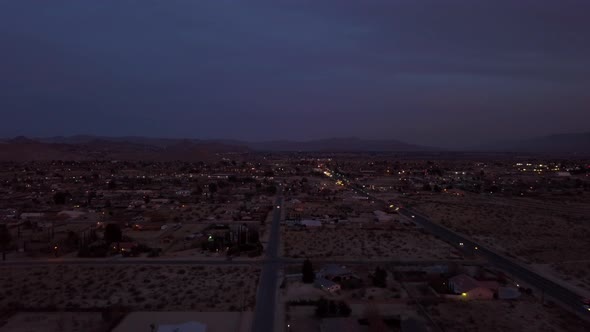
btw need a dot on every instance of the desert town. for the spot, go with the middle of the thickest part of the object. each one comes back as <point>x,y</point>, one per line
<point>121,246</point>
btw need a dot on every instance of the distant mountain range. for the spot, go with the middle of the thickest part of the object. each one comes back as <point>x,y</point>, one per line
<point>347,144</point>
<point>95,148</point>
<point>84,147</point>
<point>577,143</point>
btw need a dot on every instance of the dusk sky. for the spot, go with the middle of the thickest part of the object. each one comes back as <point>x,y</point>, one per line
<point>443,73</point>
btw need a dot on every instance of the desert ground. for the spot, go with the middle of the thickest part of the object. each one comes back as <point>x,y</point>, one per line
<point>532,230</point>
<point>349,242</point>
<point>136,287</point>
<point>215,321</point>
<point>55,322</point>
<point>492,316</point>
<point>576,273</point>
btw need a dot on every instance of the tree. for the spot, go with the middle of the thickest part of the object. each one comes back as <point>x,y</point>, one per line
<point>375,320</point>
<point>59,198</point>
<point>212,188</point>
<point>344,309</point>
<point>198,191</point>
<point>73,240</point>
<point>307,271</point>
<point>332,308</point>
<point>5,239</point>
<point>322,308</point>
<point>112,233</point>
<point>112,185</point>
<point>270,190</point>
<point>380,278</point>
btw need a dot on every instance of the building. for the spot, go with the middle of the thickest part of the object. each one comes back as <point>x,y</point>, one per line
<point>336,273</point>
<point>508,293</point>
<point>311,223</point>
<point>32,215</point>
<point>183,327</point>
<point>327,285</point>
<point>341,324</point>
<point>469,288</point>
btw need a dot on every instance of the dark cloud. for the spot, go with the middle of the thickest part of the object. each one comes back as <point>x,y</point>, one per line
<point>431,72</point>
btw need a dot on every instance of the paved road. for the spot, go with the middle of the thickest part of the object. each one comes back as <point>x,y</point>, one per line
<point>516,269</point>
<point>264,315</point>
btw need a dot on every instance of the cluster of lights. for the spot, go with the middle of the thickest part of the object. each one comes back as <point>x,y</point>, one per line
<point>538,168</point>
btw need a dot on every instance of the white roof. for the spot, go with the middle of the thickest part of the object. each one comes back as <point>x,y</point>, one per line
<point>508,293</point>
<point>312,223</point>
<point>184,327</point>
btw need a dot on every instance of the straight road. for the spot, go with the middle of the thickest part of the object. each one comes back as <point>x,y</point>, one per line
<point>264,315</point>
<point>516,269</point>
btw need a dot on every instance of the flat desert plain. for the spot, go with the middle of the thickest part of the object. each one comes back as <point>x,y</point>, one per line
<point>137,287</point>
<point>532,230</point>
<point>351,241</point>
<point>492,316</point>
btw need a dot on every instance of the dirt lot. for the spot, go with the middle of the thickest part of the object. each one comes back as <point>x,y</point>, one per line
<point>577,273</point>
<point>492,316</point>
<point>399,242</point>
<point>56,322</point>
<point>527,229</point>
<point>215,321</point>
<point>165,287</point>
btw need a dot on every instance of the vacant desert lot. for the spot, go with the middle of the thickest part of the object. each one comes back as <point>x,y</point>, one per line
<point>399,242</point>
<point>138,287</point>
<point>492,316</point>
<point>215,321</point>
<point>530,229</point>
<point>56,322</point>
<point>577,273</point>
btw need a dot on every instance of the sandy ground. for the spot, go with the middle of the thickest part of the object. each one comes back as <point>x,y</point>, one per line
<point>577,273</point>
<point>215,321</point>
<point>493,316</point>
<point>302,319</point>
<point>542,232</point>
<point>137,287</point>
<point>400,242</point>
<point>521,228</point>
<point>56,322</point>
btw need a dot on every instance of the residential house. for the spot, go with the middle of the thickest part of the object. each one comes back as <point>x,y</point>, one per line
<point>311,223</point>
<point>327,285</point>
<point>508,293</point>
<point>336,273</point>
<point>469,288</point>
<point>182,327</point>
